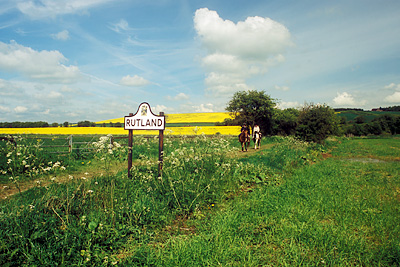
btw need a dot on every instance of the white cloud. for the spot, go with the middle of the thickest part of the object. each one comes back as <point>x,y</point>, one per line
<point>54,95</point>
<point>122,25</point>
<point>393,86</point>
<point>204,108</point>
<point>135,81</point>
<point>344,99</point>
<point>20,109</point>
<point>180,96</point>
<point>282,88</point>
<point>238,51</point>
<point>4,109</point>
<point>51,8</point>
<point>253,38</point>
<point>394,98</point>
<point>8,89</point>
<point>41,65</point>
<point>285,105</point>
<point>159,108</point>
<point>62,36</point>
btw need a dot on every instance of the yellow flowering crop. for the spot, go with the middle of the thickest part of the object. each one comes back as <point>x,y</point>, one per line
<point>208,130</point>
<point>185,118</point>
<point>210,117</point>
<point>197,117</point>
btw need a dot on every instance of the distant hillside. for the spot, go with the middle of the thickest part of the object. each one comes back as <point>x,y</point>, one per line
<point>350,115</point>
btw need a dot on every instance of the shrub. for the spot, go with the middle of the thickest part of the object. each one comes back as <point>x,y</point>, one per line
<point>316,123</point>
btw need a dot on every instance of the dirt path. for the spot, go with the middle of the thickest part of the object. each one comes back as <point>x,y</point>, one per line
<point>10,189</point>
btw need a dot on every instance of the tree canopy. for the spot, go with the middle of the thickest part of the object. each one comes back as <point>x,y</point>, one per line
<point>253,107</point>
<point>316,122</point>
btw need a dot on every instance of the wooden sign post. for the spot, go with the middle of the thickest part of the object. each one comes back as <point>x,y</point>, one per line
<point>145,119</point>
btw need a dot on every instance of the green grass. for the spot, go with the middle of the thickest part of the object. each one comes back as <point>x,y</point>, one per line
<point>350,115</point>
<point>283,206</point>
<point>335,212</point>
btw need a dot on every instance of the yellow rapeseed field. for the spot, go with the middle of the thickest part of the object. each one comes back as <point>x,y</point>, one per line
<point>184,118</point>
<point>170,118</point>
<point>208,130</point>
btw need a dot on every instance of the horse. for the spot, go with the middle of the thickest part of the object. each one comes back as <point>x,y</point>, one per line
<point>244,139</point>
<point>257,139</point>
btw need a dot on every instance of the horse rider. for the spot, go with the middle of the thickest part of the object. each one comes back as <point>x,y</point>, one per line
<point>244,128</point>
<point>256,130</point>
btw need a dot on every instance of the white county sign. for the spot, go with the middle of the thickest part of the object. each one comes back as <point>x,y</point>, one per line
<point>144,119</point>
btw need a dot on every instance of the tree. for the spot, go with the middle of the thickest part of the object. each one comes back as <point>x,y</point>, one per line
<point>359,119</point>
<point>253,107</point>
<point>66,124</point>
<point>85,124</point>
<point>285,121</point>
<point>316,123</point>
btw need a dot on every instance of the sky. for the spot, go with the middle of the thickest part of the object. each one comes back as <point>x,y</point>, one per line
<point>73,60</point>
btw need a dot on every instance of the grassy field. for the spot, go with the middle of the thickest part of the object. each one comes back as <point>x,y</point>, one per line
<point>350,115</point>
<point>289,204</point>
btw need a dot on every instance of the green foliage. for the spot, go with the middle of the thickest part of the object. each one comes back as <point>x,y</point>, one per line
<point>383,124</point>
<point>253,107</point>
<point>316,123</point>
<point>285,121</point>
<point>283,205</point>
<point>336,212</point>
<point>19,161</point>
<point>86,124</point>
<point>19,124</point>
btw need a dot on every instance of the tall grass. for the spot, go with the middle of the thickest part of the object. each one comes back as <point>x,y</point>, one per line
<point>284,205</point>
<point>335,212</point>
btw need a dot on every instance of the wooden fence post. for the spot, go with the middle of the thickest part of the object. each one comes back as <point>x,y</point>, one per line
<point>70,144</point>
<point>160,149</point>
<point>130,144</point>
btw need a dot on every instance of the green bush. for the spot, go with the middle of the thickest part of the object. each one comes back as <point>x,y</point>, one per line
<point>316,123</point>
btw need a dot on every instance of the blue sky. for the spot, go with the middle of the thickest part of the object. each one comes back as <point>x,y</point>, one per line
<point>74,60</point>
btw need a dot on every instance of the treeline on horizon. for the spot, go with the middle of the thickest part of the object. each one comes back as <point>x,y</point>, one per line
<point>43,124</point>
<point>394,108</point>
<point>284,125</point>
<point>344,121</point>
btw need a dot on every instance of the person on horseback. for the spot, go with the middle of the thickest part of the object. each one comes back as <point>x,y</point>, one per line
<point>244,136</point>
<point>256,130</point>
<point>244,127</point>
<point>256,136</point>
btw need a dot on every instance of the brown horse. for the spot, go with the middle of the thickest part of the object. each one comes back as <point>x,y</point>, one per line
<point>244,139</point>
